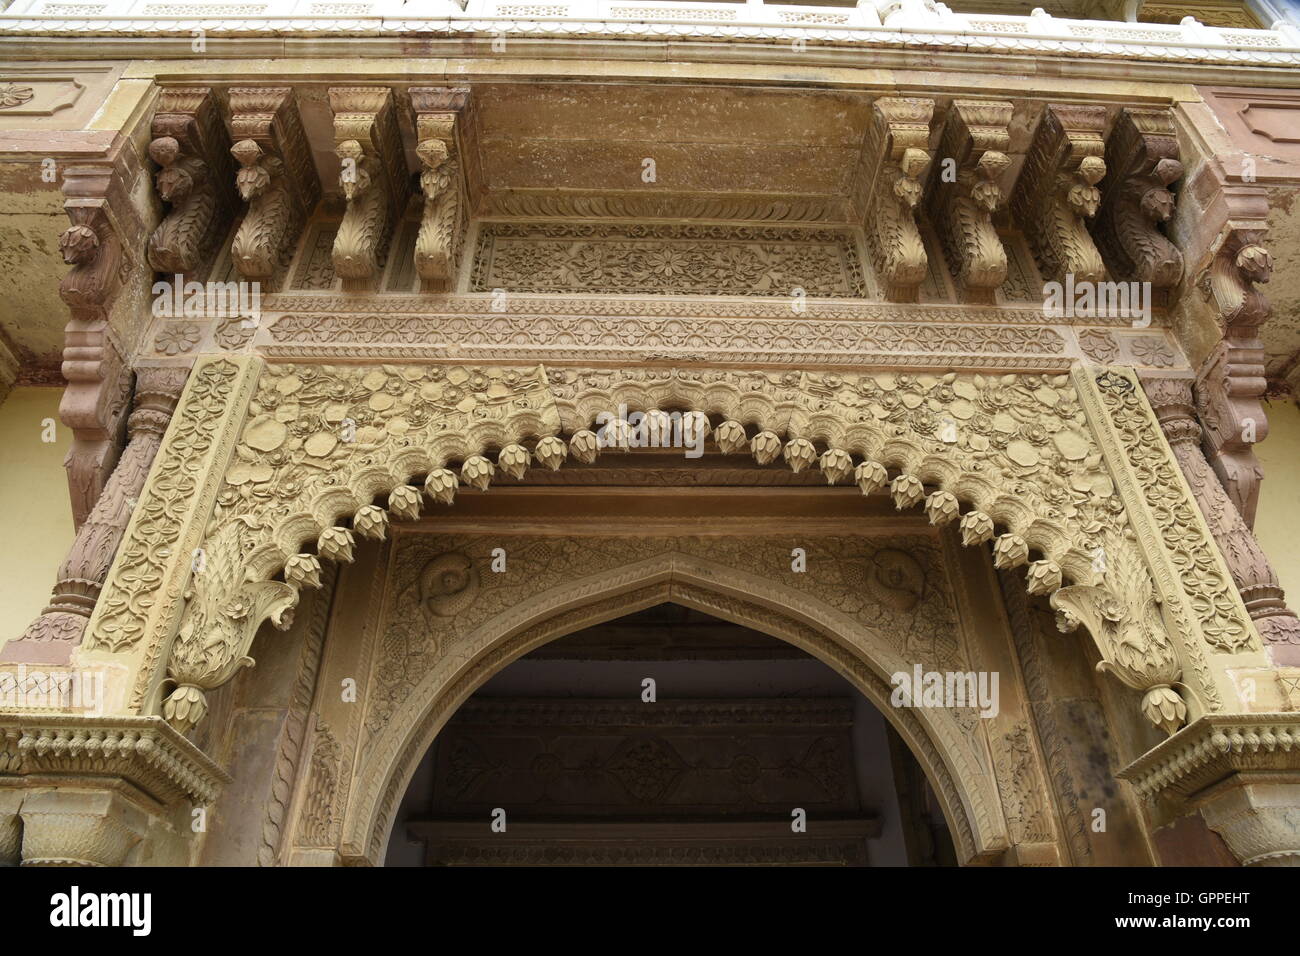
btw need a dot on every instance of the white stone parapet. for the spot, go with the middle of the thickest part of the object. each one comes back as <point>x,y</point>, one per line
<point>872,23</point>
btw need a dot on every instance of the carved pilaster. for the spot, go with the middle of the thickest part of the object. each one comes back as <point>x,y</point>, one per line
<point>372,177</point>
<point>975,138</point>
<point>95,402</point>
<point>276,177</point>
<point>195,181</point>
<point>438,113</point>
<point>898,154</point>
<point>1141,163</point>
<point>1231,381</point>
<point>52,636</point>
<point>1171,399</point>
<point>1057,191</point>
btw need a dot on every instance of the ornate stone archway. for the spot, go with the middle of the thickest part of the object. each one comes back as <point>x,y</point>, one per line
<point>267,470</point>
<point>955,754</point>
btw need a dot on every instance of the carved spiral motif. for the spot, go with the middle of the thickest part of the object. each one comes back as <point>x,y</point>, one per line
<point>898,580</point>
<point>448,584</point>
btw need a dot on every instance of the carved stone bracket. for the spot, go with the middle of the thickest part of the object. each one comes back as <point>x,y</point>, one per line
<point>195,180</point>
<point>898,155</point>
<point>1263,597</point>
<point>1141,163</point>
<point>438,119</point>
<point>96,399</point>
<point>975,137</point>
<point>276,177</point>
<point>1231,381</point>
<point>372,177</point>
<point>52,636</point>
<point>1057,191</point>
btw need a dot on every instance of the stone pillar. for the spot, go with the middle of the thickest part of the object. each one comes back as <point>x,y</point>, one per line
<point>1172,401</point>
<point>52,636</point>
<point>1259,819</point>
<point>1242,773</point>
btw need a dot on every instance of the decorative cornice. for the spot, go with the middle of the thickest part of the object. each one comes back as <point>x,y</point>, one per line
<point>145,751</point>
<point>1212,748</point>
<point>919,27</point>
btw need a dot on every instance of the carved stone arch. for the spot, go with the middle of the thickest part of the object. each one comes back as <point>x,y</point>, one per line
<point>965,786</point>
<point>1068,466</point>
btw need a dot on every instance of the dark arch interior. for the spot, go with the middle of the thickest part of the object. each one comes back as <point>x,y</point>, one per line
<point>744,730</point>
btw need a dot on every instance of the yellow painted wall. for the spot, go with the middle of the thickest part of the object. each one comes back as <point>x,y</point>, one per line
<point>34,501</point>
<point>1277,518</point>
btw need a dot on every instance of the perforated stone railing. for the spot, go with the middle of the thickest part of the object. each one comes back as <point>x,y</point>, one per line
<point>882,23</point>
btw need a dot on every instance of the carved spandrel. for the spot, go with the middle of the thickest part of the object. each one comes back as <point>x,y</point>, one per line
<point>276,178</point>
<point>1141,163</point>
<point>974,143</point>
<point>898,152</point>
<point>439,113</point>
<point>1057,192</point>
<point>372,177</point>
<point>195,180</point>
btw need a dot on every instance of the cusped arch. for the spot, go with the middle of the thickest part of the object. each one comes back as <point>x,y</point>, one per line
<point>957,767</point>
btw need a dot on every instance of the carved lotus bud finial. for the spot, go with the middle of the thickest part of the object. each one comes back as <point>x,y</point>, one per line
<point>942,507</point>
<point>185,707</point>
<point>441,484</point>
<point>1163,706</point>
<point>800,454</point>
<point>477,472</point>
<point>78,244</point>
<point>404,501</point>
<point>1010,551</point>
<point>303,571</point>
<point>246,152</point>
<point>433,153</point>
<point>1084,200</point>
<point>976,528</point>
<point>336,544</point>
<point>1043,577</point>
<point>371,521</point>
<point>551,452</point>
<point>870,476</point>
<point>584,446</point>
<point>513,460</point>
<point>836,465</point>
<point>1255,262</point>
<point>253,177</point>
<point>730,437</point>
<point>907,491</point>
<point>765,446</point>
